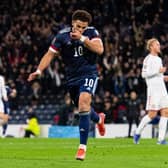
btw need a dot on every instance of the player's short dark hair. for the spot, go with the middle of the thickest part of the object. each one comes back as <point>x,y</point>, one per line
<point>82,15</point>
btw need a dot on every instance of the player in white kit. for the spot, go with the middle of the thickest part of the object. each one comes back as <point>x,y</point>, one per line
<point>157,96</point>
<point>3,98</point>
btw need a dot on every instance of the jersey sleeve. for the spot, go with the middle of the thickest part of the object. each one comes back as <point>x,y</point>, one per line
<point>56,44</point>
<point>150,68</point>
<point>94,34</point>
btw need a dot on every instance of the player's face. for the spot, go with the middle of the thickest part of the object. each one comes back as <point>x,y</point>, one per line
<point>156,47</point>
<point>78,25</point>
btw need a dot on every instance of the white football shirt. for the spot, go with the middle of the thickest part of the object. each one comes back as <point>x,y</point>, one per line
<point>156,88</point>
<point>3,93</point>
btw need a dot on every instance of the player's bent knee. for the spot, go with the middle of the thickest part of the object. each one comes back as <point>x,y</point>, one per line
<point>164,112</point>
<point>84,106</point>
<point>152,114</point>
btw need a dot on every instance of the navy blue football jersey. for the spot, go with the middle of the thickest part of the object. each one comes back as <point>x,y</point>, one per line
<point>8,90</point>
<point>79,61</point>
<point>6,104</point>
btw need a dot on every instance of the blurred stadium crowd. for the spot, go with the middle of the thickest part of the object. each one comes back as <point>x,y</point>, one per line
<point>28,27</point>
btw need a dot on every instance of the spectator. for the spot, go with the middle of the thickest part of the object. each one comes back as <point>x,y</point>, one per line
<point>25,36</point>
<point>64,116</point>
<point>133,111</point>
<point>32,128</point>
<point>108,111</point>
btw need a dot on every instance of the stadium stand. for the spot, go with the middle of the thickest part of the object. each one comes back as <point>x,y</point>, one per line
<point>27,28</point>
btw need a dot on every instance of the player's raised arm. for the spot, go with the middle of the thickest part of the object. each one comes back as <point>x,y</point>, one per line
<point>45,61</point>
<point>94,45</point>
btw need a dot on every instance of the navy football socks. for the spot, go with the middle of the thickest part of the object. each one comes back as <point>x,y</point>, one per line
<point>4,126</point>
<point>84,127</point>
<point>94,116</point>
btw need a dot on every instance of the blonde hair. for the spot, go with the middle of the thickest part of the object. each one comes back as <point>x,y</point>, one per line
<point>149,43</point>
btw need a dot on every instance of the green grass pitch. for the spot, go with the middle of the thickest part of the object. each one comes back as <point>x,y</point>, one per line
<point>101,153</point>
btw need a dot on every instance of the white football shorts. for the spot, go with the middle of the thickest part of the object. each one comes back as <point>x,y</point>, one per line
<point>1,107</point>
<point>157,102</point>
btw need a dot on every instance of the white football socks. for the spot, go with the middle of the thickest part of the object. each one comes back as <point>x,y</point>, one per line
<point>162,128</point>
<point>145,120</point>
<point>82,146</point>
